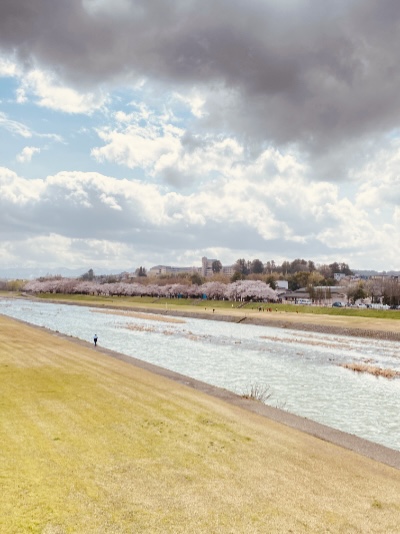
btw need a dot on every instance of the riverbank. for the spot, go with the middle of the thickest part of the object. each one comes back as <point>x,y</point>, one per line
<point>340,324</point>
<point>325,324</point>
<point>98,443</point>
<point>285,377</point>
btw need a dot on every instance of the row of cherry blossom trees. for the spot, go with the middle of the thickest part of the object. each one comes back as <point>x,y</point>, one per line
<point>240,290</point>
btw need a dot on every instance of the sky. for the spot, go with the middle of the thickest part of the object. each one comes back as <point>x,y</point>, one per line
<point>145,132</point>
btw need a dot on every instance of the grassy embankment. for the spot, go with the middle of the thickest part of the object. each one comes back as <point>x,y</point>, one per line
<point>92,444</point>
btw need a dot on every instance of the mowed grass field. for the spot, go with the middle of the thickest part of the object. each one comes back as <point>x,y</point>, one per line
<point>91,444</point>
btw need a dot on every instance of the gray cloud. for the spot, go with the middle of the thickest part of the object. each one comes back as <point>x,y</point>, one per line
<point>286,97</point>
<point>318,76</point>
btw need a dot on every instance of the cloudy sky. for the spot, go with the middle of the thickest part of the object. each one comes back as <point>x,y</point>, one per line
<point>145,132</point>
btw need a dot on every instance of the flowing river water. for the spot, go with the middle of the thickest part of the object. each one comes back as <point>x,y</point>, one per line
<point>302,371</point>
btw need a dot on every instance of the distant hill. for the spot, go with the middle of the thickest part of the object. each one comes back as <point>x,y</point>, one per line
<point>367,272</point>
<point>27,273</point>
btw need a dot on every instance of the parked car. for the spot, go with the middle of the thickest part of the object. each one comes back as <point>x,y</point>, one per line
<point>337,305</point>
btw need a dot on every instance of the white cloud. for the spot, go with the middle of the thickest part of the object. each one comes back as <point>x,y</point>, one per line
<point>17,191</point>
<point>52,94</point>
<point>110,201</point>
<point>8,68</point>
<point>14,127</point>
<point>251,148</point>
<point>380,179</point>
<point>245,212</point>
<point>70,252</point>
<point>140,139</point>
<point>26,154</point>
<point>150,141</point>
<point>20,95</point>
<point>134,147</point>
<point>396,216</point>
<point>195,101</point>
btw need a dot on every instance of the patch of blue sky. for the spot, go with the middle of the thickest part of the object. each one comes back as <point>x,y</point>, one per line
<point>71,155</point>
<point>65,140</point>
<point>9,150</point>
<point>394,134</point>
<point>8,88</point>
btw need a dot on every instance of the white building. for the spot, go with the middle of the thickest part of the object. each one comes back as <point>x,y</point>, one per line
<point>206,266</point>
<point>339,276</point>
<point>205,270</point>
<point>159,270</point>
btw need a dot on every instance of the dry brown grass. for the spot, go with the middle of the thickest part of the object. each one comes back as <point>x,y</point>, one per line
<point>371,369</point>
<point>90,444</point>
<point>139,315</point>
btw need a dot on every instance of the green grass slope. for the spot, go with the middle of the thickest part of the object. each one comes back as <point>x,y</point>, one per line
<point>90,444</point>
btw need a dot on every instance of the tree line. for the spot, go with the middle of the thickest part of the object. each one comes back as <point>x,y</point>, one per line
<point>384,291</point>
<point>246,267</point>
<point>298,273</point>
<point>241,290</point>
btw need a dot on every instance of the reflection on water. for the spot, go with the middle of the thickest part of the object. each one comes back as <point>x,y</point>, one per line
<point>302,369</point>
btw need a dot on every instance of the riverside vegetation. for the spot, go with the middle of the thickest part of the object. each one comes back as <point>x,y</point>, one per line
<point>93,444</point>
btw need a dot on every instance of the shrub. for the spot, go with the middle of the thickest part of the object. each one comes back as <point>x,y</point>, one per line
<point>258,392</point>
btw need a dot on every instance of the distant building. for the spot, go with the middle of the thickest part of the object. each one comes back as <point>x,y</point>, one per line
<point>205,270</point>
<point>322,295</point>
<point>338,276</point>
<point>206,266</point>
<point>228,270</point>
<point>159,270</point>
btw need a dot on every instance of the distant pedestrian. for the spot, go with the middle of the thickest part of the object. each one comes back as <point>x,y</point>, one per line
<point>95,340</point>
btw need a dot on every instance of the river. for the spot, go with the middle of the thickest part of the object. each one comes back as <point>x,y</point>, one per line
<point>301,370</point>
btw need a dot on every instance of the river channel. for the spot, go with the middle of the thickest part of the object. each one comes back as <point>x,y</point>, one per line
<point>302,371</point>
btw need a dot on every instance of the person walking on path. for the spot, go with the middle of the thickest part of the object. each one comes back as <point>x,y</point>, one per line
<point>95,340</point>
